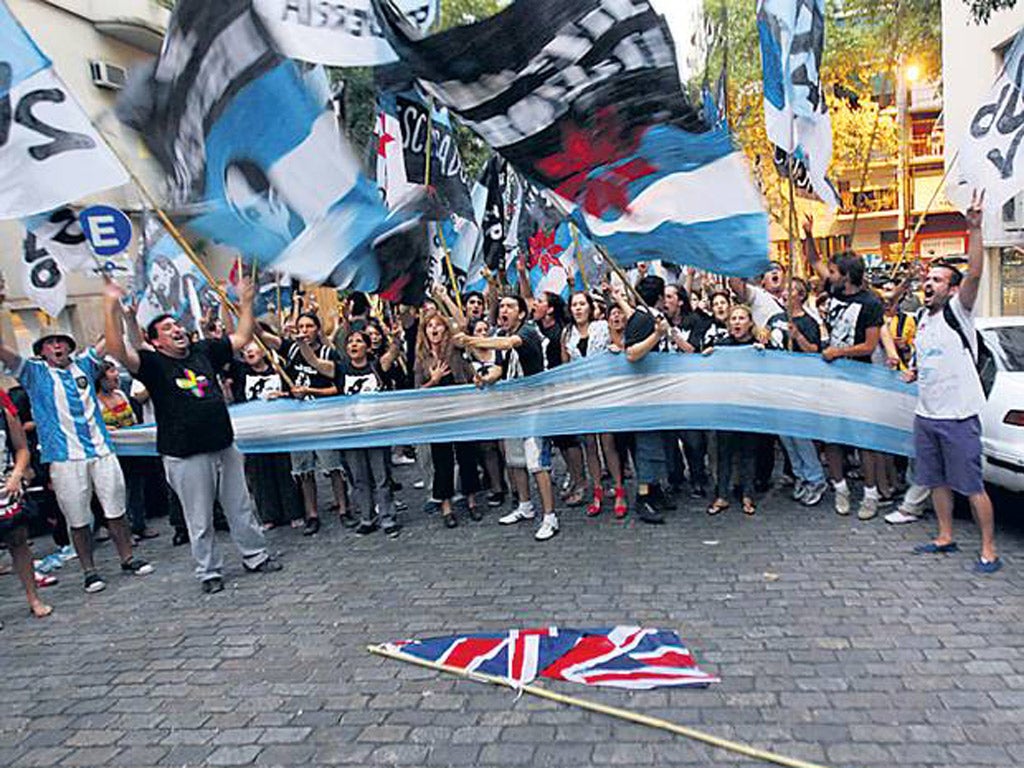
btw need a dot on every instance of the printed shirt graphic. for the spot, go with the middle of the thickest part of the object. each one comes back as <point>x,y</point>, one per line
<point>359,381</point>
<point>302,373</point>
<point>69,419</point>
<point>196,384</point>
<point>948,384</point>
<point>850,316</point>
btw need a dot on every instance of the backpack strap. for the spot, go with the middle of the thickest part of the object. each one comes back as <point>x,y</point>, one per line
<point>950,317</point>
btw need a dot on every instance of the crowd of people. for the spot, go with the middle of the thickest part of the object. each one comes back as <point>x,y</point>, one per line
<point>58,440</point>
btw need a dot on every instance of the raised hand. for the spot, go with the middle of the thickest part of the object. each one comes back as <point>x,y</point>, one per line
<point>974,214</point>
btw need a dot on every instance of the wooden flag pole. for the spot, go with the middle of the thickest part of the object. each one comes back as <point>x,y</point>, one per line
<point>924,215</point>
<point>603,709</point>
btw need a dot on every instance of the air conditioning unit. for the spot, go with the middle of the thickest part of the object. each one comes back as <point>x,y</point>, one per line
<point>106,75</point>
<point>1013,214</point>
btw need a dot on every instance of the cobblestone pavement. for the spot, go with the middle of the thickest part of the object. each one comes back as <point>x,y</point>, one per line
<point>834,645</point>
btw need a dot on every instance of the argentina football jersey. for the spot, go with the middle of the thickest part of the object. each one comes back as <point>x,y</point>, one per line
<point>68,418</point>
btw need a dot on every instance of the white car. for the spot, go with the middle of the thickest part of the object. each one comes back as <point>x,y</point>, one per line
<point>1001,367</point>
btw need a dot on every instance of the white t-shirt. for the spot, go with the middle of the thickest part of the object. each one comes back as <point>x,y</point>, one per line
<point>763,306</point>
<point>948,384</point>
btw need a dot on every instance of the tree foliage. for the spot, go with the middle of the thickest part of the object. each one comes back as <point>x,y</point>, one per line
<point>981,10</point>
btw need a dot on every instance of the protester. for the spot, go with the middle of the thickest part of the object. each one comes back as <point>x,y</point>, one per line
<point>13,522</point>
<point>587,337</point>
<point>947,427</point>
<point>194,433</point>
<point>75,443</point>
<point>522,351</point>
<point>483,362</point>
<point>735,449</point>
<point>440,364</point>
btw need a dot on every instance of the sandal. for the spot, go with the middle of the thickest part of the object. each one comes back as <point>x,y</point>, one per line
<point>718,506</point>
<point>575,498</point>
<point>749,506</point>
<point>620,509</point>
<point>594,508</point>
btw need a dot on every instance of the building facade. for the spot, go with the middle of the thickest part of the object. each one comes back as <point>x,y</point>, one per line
<point>972,58</point>
<point>93,44</point>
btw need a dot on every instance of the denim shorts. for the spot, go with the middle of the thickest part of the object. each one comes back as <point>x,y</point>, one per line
<point>306,462</point>
<point>947,454</point>
<point>532,454</point>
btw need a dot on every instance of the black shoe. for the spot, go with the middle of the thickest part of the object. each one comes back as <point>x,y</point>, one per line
<point>451,521</point>
<point>392,531</point>
<point>495,499</point>
<point>364,529</point>
<point>647,512</point>
<point>698,492</point>
<point>213,586</point>
<point>180,537</point>
<point>660,500</point>
<point>349,520</point>
<point>431,507</point>
<point>312,527</point>
<point>270,565</point>
<point>475,514</point>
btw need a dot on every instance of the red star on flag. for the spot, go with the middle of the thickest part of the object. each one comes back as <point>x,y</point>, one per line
<point>383,137</point>
<point>544,251</point>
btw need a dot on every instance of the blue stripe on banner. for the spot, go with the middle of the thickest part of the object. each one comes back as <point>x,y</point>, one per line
<point>734,389</point>
<point>735,245</point>
<point>677,151</point>
<point>20,51</point>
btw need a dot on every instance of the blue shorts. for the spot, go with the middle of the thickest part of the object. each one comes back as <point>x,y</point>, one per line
<point>947,454</point>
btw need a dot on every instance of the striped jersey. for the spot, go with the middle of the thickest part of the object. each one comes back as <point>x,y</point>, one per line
<point>68,416</point>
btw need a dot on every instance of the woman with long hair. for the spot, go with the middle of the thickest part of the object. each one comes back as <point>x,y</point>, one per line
<point>440,364</point>
<point>483,362</point>
<point>736,449</point>
<point>585,337</point>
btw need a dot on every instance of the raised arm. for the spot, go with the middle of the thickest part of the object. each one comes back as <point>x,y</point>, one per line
<point>325,367</point>
<point>243,332</point>
<point>114,329</point>
<point>739,288</point>
<point>811,249</point>
<point>975,253</point>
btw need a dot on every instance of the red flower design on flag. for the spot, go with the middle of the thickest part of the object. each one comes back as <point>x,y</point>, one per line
<point>383,137</point>
<point>544,251</point>
<point>587,164</point>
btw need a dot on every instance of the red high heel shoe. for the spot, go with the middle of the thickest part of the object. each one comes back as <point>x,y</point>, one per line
<point>620,509</point>
<point>594,508</point>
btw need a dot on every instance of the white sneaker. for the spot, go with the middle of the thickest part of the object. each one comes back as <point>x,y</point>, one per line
<point>868,509</point>
<point>419,484</point>
<point>800,489</point>
<point>548,528</point>
<point>813,493</point>
<point>843,502</point>
<point>401,460</point>
<point>517,515</point>
<point>901,517</point>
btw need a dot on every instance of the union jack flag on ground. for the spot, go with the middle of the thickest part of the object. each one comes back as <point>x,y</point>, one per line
<point>619,657</point>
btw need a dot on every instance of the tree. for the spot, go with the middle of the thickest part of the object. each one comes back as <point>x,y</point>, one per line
<point>981,10</point>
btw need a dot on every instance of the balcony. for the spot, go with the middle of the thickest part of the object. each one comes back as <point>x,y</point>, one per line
<point>867,201</point>
<point>928,147</point>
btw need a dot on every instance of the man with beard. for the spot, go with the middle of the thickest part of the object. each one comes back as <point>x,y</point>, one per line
<point>947,428</point>
<point>193,430</point>
<point>522,354</point>
<point>75,443</point>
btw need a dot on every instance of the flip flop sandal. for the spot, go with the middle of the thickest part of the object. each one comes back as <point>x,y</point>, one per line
<point>749,508</point>
<point>717,507</point>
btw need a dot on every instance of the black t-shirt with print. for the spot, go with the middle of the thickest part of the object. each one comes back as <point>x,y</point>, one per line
<point>695,327</point>
<point>528,358</point>
<point>249,384</point>
<point>302,373</point>
<point>191,415</point>
<point>552,343</point>
<point>358,380</point>
<point>778,329</point>
<point>850,317</point>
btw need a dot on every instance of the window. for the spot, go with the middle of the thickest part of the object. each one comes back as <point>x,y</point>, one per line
<point>1012,281</point>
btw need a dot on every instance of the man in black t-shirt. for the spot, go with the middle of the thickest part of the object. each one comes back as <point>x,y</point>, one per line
<point>854,322</point>
<point>647,331</point>
<point>522,354</point>
<point>193,430</point>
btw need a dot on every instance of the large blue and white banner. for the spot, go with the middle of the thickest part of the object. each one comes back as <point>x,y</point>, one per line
<point>744,390</point>
<point>50,153</point>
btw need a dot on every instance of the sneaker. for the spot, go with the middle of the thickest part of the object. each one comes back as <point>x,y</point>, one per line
<point>660,500</point>
<point>93,583</point>
<point>365,529</point>
<point>213,586</point>
<point>419,485</point>
<point>517,515</point>
<point>392,531</point>
<point>548,528</point>
<point>813,494</point>
<point>137,567</point>
<point>401,460</point>
<point>67,552</point>
<point>899,517</point>
<point>868,509</point>
<point>647,512</point>
<point>49,564</point>
<point>843,502</point>
<point>312,527</point>
<point>800,489</point>
<point>349,520</point>
<point>44,580</point>
<point>270,565</point>
<point>495,499</point>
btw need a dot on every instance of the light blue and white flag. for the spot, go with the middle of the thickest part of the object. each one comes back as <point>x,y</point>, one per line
<point>792,34</point>
<point>743,390</point>
<point>240,132</point>
<point>50,153</point>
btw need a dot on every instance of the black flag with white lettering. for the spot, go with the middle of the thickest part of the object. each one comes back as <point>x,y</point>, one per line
<point>491,185</point>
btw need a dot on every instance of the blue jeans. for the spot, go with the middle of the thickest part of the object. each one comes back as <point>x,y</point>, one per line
<point>651,466</point>
<point>803,455</point>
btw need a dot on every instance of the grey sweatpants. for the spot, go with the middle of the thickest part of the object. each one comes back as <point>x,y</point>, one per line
<point>370,489</point>
<point>200,479</point>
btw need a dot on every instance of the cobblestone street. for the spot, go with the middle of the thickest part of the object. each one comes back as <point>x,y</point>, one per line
<point>833,644</point>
